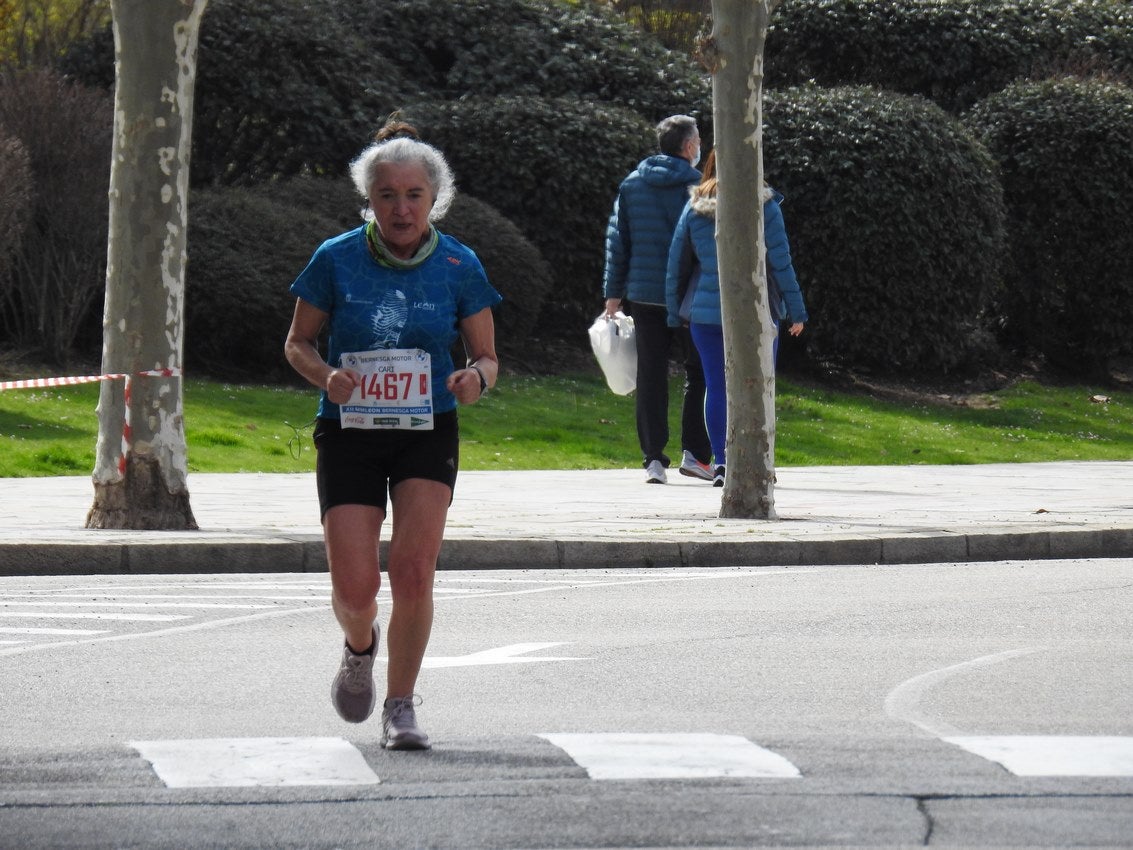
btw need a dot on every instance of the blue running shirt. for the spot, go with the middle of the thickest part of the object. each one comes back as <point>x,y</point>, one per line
<point>374,307</point>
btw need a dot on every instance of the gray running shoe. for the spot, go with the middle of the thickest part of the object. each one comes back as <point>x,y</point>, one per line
<point>693,468</point>
<point>399,724</point>
<point>655,473</point>
<point>352,691</point>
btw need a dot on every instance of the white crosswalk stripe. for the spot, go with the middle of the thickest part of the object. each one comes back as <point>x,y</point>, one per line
<point>246,762</point>
<point>1053,755</point>
<point>671,756</point>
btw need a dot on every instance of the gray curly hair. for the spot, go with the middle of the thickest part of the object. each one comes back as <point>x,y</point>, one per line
<point>364,169</point>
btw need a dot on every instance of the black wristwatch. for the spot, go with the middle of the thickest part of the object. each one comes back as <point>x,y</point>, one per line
<point>483,380</point>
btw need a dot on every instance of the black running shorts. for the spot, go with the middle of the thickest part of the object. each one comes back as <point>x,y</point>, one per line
<point>359,466</point>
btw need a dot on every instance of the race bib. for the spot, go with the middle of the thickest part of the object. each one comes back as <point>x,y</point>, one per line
<point>395,390</point>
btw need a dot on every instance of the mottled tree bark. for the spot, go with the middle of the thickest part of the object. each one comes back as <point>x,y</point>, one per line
<point>736,59</point>
<point>140,475</point>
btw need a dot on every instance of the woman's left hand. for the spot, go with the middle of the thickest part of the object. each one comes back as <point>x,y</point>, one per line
<point>795,329</point>
<point>465,385</point>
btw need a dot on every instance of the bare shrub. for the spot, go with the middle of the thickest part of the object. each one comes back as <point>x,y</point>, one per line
<point>15,201</point>
<point>57,273</point>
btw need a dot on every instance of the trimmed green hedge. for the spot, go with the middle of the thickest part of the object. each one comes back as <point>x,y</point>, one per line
<point>954,52</point>
<point>1065,149</point>
<point>895,218</point>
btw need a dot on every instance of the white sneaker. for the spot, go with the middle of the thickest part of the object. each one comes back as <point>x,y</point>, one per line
<point>693,468</point>
<point>655,473</point>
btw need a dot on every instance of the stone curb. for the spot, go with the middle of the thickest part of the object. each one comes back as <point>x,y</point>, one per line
<point>304,554</point>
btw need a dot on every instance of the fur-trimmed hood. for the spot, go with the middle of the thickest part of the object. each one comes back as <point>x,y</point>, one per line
<point>706,204</point>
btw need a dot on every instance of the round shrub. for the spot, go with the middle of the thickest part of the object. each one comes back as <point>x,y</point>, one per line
<point>1065,149</point>
<point>245,248</point>
<point>954,52</point>
<point>552,167</point>
<point>895,218</point>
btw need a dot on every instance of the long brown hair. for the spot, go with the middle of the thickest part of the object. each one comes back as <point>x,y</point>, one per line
<point>706,188</point>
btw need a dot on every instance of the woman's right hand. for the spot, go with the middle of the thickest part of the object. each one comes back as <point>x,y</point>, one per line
<point>340,385</point>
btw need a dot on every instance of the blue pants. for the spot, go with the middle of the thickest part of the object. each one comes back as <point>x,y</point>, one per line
<point>709,341</point>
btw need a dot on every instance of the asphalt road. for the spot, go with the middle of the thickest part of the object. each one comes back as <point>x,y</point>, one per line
<point>983,704</point>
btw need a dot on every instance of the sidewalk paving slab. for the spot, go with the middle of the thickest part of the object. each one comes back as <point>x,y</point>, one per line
<point>610,519</point>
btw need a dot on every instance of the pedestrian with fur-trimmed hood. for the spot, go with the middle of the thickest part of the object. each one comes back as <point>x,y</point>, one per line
<point>692,292</point>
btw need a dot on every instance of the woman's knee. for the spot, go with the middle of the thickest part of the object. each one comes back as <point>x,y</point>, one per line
<point>356,592</point>
<point>411,579</point>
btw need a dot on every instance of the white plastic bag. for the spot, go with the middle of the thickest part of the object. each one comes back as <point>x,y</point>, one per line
<point>615,347</point>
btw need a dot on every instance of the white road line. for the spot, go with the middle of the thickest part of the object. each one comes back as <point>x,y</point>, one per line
<point>499,655</point>
<point>320,587</point>
<point>57,604</point>
<point>172,630</point>
<point>43,597</point>
<point>88,615</point>
<point>671,756</point>
<point>1053,755</point>
<point>903,702</point>
<point>246,762</point>
<point>611,581</point>
<point>14,630</point>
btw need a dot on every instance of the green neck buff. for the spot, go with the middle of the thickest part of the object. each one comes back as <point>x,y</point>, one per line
<point>382,256</point>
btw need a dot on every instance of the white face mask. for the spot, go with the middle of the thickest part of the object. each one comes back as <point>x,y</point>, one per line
<point>696,159</point>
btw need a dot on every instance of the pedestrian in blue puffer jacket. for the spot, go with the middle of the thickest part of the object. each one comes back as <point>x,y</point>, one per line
<point>646,210</point>
<point>692,293</point>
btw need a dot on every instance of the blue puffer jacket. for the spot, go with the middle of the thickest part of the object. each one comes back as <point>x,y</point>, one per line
<point>693,250</point>
<point>646,210</point>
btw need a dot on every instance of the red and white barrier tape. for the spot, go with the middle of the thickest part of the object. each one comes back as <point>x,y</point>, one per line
<point>32,383</point>
<point>126,377</point>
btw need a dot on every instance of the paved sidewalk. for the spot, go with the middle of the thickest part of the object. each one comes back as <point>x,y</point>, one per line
<point>610,518</point>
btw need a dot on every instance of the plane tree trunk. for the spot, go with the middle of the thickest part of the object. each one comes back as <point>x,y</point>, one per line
<point>141,464</point>
<point>734,54</point>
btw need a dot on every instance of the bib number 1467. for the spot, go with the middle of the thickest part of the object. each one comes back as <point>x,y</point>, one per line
<point>393,386</point>
<point>394,390</point>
